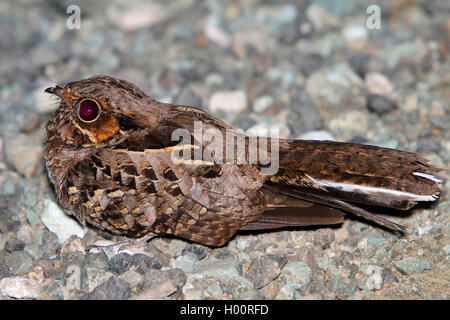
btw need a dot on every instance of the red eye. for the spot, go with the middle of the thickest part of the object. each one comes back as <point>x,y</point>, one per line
<point>88,110</point>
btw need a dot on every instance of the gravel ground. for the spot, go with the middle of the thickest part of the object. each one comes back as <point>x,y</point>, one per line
<point>309,68</point>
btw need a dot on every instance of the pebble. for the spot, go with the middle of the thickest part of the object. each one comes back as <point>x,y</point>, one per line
<point>342,125</point>
<point>95,277</point>
<point>320,18</point>
<point>59,223</point>
<point>19,261</point>
<point>25,153</point>
<point>373,279</point>
<point>262,103</point>
<point>20,288</point>
<point>137,15</point>
<point>411,265</point>
<point>355,32</point>
<point>377,83</point>
<point>234,101</point>
<point>297,274</point>
<point>380,104</point>
<point>317,135</point>
<point>446,249</point>
<point>131,277</point>
<point>262,270</point>
<point>186,262</point>
<point>158,291</point>
<point>112,289</point>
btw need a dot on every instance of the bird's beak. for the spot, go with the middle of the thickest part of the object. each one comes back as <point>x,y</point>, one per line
<point>56,90</point>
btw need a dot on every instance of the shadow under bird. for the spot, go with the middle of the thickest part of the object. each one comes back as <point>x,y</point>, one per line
<point>108,154</point>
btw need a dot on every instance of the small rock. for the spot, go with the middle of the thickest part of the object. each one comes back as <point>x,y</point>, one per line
<point>377,83</point>
<point>137,15</point>
<point>373,237</point>
<point>193,293</point>
<point>446,249</point>
<point>8,188</point>
<point>131,277</point>
<point>14,245</point>
<point>59,223</point>
<point>199,251</point>
<point>215,33</point>
<point>95,277</point>
<point>320,18</point>
<point>323,238</point>
<point>297,274</point>
<point>269,128</point>
<point>120,262</point>
<point>345,125</point>
<point>234,101</point>
<point>242,244</point>
<point>5,270</point>
<point>187,97</point>
<point>262,103</point>
<point>286,293</point>
<point>428,146</point>
<point>25,153</point>
<point>156,277</point>
<point>412,265</point>
<point>72,244</point>
<point>145,263</point>
<point>355,32</point>
<point>186,262</point>
<point>158,291</point>
<point>380,104</point>
<point>215,291</point>
<point>20,288</point>
<point>241,289</point>
<point>19,261</point>
<point>262,270</point>
<point>97,260</point>
<point>112,289</point>
<point>317,135</point>
<point>340,235</point>
<point>373,279</point>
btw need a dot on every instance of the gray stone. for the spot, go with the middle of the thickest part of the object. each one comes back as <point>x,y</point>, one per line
<point>297,274</point>
<point>342,125</point>
<point>413,265</point>
<point>156,277</point>
<point>112,289</point>
<point>19,261</point>
<point>120,262</point>
<point>20,288</point>
<point>14,245</point>
<point>380,104</point>
<point>97,260</point>
<point>186,262</point>
<point>317,135</point>
<point>262,270</point>
<point>60,223</point>
<point>373,237</point>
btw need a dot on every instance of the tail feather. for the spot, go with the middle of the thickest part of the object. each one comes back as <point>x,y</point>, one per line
<point>358,173</point>
<point>342,175</point>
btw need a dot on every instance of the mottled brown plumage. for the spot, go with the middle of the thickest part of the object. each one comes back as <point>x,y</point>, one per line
<point>115,171</point>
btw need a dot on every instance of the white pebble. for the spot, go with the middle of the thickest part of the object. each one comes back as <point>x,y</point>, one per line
<point>234,101</point>
<point>19,288</point>
<point>59,223</point>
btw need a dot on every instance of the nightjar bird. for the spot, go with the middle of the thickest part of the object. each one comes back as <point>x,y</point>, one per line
<point>109,154</point>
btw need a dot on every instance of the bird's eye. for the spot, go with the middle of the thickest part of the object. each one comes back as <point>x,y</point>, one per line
<point>88,110</point>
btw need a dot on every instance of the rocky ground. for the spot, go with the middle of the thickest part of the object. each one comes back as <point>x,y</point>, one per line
<point>313,69</point>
